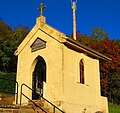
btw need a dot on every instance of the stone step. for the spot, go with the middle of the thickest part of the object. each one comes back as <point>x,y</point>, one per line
<point>10,106</point>
<point>6,99</point>
<point>9,110</point>
<point>27,111</point>
<point>32,108</point>
<point>38,102</point>
<point>22,111</point>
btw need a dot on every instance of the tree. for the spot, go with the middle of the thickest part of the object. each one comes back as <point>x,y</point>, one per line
<point>84,39</point>
<point>5,31</point>
<point>5,37</point>
<point>98,32</point>
<point>19,33</point>
<point>115,89</point>
<point>9,41</point>
<point>109,70</point>
<point>117,41</point>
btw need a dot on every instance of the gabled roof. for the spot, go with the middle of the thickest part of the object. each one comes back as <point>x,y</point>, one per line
<point>43,27</point>
<point>73,44</point>
<point>61,38</point>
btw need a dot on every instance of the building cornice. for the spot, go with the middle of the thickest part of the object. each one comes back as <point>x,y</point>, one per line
<point>72,44</point>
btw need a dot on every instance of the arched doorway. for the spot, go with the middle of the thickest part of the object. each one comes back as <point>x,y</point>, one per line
<point>38,78</point>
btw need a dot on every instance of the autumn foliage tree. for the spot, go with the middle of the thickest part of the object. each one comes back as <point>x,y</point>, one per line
<point>109,70</point>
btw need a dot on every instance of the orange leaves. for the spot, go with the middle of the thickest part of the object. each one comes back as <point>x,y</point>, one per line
<point>108,69</point>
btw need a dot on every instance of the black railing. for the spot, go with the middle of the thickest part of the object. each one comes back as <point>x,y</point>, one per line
<point>7,90</point>
<point>28,97</point>
<point>54,107</point>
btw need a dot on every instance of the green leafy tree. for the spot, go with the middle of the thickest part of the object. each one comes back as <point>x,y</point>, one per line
<point>5,37</point>
<point>115,89</point>
<point>19,33</point>
<point>9,41</point>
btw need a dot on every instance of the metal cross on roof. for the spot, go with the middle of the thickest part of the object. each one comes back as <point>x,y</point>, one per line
<point>42,6</point>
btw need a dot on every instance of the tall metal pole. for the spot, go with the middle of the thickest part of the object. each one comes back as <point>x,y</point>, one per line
<point>74,19</point>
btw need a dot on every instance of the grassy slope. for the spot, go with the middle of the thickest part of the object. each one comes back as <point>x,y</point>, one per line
<point>114,108</point>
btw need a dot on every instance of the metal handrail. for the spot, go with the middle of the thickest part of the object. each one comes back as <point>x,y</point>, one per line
<point>16,88</point>
<point>28,97</point>
<point>54,107</point>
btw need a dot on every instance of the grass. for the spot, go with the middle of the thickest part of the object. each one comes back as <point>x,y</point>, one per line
<point>114,108</point>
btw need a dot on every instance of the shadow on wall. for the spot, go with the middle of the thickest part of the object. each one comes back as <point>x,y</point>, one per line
<point>98,112</point>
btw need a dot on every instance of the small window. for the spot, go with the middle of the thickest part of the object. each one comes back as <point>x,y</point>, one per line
<point>82,72</point>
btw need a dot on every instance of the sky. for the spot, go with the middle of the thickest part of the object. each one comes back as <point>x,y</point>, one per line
<point>58,13</point>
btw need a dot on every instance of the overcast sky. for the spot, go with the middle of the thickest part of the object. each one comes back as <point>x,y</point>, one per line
<point>90,13</point>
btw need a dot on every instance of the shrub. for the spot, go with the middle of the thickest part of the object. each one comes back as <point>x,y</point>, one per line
<point>7,82</point>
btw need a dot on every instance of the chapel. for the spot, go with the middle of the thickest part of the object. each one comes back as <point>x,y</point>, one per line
<point>59,69</point>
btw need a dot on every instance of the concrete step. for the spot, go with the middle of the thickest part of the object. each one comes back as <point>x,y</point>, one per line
<point>38,102</point>
<point>11,106</point>
<point>6,99</point>
<point>27,111</point>
<point>32,108</point>
<point>9,110</point>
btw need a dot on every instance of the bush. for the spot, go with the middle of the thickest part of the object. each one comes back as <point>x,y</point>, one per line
<point>7,82</point>
<point>113,108</point>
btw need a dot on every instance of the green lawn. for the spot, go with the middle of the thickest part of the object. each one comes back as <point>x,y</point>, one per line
<point>114,108</point>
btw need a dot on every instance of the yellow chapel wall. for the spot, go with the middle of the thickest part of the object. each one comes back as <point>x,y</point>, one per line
<point>62,73</point>
<point>81,97</point>
<point>52,55</point>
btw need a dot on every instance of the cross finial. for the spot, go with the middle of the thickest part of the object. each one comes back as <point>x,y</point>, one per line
<point>42,6</point>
